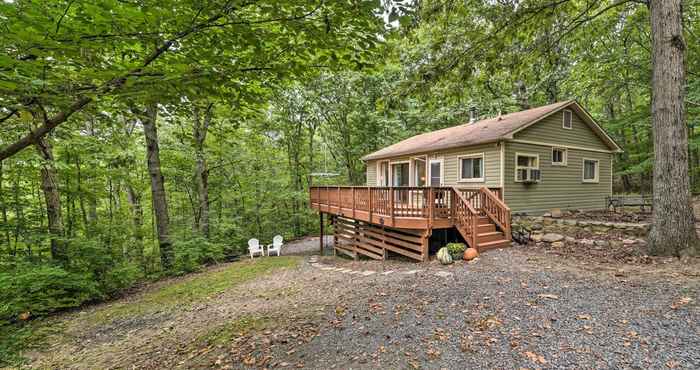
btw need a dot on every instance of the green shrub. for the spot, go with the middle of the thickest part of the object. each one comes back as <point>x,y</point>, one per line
<point>192,254</point>
<point>456,249</point>
<point>120,277</point>
<point>41,289</point>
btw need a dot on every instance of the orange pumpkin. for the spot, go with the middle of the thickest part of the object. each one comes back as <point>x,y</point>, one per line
<point>470,254</point>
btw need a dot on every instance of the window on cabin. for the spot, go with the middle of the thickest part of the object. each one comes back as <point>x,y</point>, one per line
<point>471,168</point>
<point>568,116</point>
<point>590,170</point>
<point>559,156</point>
<point>527,168</point>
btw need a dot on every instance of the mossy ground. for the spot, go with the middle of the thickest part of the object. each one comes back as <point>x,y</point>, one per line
<point>183,291</point>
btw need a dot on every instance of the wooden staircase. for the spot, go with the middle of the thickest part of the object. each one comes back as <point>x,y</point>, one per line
<point>488,237</point>
<point>486,227</point>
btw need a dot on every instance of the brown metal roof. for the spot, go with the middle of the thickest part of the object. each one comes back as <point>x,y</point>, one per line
<point>479,132</point>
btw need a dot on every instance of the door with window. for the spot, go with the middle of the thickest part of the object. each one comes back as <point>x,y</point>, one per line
<point>419,169</point>
<point>435,173</point>
<point>400,174</point>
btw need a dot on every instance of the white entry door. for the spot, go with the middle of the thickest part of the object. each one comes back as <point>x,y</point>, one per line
<point>435,173</point>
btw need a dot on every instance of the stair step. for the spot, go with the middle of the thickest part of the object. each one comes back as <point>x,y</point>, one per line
<point>501,243</point>
<point>484,220</point>
<point>489,236</point>
<point>486,228</point>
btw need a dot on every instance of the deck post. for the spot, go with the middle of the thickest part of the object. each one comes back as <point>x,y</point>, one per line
<point>391,205</point>
<point>431,206</point>
<point>353,202</point>
<point>369,190</point>
<point>320,215</point>
<point>453,204</point>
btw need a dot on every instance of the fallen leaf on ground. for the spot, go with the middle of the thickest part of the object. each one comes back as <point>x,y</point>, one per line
<point>681,302</point>
<point>534,357</point>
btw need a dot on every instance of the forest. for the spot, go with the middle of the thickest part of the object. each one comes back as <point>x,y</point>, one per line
<point>148,138</point>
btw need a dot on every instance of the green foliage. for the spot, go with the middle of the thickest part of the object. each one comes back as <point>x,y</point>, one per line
<point>456,249</point>
<point>191,254</point>
<point>41,289</point>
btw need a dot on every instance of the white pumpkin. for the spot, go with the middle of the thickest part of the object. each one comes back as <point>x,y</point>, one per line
<point>444,256</point>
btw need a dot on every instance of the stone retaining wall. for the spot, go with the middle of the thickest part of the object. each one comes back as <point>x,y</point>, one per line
<point>557,231</point>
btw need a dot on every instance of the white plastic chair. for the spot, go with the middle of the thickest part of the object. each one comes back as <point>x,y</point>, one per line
<point>254,248</point>
<point>276,246</point>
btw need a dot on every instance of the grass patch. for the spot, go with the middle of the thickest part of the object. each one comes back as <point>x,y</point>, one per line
<point>199,287</point>
<point>21,337</point>
<point>225,333</point>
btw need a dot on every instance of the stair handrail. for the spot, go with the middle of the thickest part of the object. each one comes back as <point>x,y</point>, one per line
<point>502,216</point>
<point>474,216</point>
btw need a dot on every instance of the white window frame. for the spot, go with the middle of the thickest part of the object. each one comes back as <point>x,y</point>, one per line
<point>380,174</point>
<point>459,167</point>
<point>515,164</point>
<point>564,157</point>
<point>391,172</point>
<point>414,171</point>
<point>597,171</point>
<point>563,119</point>
<point>442,170</point>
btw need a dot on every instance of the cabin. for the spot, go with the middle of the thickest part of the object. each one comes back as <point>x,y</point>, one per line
<point>465,182</point>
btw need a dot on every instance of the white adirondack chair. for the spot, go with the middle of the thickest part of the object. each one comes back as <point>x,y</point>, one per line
<point>276,246</point>
<point>254,248</point>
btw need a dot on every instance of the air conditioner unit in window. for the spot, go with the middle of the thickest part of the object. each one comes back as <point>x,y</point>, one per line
<point>529,175</point>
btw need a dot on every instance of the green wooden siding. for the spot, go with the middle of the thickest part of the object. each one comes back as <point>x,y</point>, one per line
<point>492,172</point>
<point>549,130</point>
<point>371,172</point>
<point>561,186</point>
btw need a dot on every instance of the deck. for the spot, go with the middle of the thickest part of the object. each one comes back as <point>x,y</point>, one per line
<point>374,220</point>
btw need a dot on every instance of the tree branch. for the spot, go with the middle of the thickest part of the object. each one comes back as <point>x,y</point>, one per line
<point>112,85</point>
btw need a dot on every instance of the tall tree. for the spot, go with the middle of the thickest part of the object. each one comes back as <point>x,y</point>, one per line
<point>148,119</point>
<point>673,231</point>
<point>49,185</point>
<point>200,126</point>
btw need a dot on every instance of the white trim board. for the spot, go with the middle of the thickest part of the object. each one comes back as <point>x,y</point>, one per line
<point>502,144</point>
<point>540,143</point>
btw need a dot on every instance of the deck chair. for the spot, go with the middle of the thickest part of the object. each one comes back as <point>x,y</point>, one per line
<point>254,248</point>
<point>276,246</point>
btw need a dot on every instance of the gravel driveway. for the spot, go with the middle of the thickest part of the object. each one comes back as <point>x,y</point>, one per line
<point>512,308</point>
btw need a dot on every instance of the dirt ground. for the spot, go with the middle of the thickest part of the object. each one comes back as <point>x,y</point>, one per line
<point>519,307</point>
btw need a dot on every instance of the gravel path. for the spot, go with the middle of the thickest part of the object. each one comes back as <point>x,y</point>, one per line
<point>308,246</point>
<point>505,312</point>
<point>512,308</point>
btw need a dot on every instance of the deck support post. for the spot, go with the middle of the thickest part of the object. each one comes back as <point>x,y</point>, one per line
<point>391,206</point>
<point>369,190</point>
<point>320,243</point>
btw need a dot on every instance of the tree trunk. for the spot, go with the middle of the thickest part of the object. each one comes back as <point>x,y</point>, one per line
<point>134,199</point>
<point>160,203</point>
<point>3,205</point>
<point>201,170</point>
<point>673,229</point>
<point>49,184</point>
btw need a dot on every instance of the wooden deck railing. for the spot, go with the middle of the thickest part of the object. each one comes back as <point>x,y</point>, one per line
<point>416,207</point>
<point>466,218</point>
<point>497,211</point>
